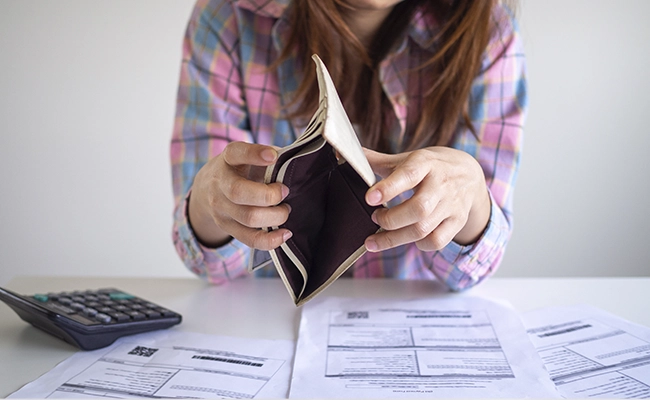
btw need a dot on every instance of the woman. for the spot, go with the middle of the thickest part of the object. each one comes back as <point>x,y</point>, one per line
<point>436,89</point>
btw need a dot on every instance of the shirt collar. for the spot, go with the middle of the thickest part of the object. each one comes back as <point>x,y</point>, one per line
<point>266,8</point>
<point>422,29</point>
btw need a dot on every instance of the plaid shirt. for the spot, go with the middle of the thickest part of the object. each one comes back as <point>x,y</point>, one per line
<point>227,93</point>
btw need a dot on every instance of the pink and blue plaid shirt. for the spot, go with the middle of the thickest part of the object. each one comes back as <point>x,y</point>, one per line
<point>227,93</point>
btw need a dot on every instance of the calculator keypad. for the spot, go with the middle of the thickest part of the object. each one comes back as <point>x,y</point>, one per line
<point>104,306</point>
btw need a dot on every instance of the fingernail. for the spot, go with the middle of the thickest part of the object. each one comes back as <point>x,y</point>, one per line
<point>285,192</point>
<point>373,217</point>
<point>287,235</point>
<point>374,198</point>
<point>288,207</point>
<point>371,245</point>
<point>269,155</point>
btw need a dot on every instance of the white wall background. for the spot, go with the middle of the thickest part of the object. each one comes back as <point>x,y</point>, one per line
<point>87,92</point>
<point>582,200</point>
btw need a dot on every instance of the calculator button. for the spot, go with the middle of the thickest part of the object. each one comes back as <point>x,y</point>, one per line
<point>105,309</point>
<point>65,301</point>
<point>82,319</point>
<point>136,307</point>
<point>91,298</point>
<point>166,313</point>
<point>121,307</point>
<point>41,297</point>
<point>103,318</point>
<point>120,296</point>
<point>93,304</point>
<point>120,317</point>
<point>61,309</point>
<point>136,315</point>
<point>108,302</point>
<point>77,306</point>
<point>152,314</point>
<point>91,312</point>
<point>78,299</point>
<point>103,297</point>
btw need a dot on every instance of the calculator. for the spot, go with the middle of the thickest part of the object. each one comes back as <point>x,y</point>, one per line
<point>90,319</point>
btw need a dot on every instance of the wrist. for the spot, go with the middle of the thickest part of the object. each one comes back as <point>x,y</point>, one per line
<point>206,231</point>
<point>477,219</point>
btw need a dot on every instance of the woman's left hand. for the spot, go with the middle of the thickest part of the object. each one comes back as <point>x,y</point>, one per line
<point>450,199</point>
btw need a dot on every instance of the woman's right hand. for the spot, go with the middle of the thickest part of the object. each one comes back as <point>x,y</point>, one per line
<point>225,203</point>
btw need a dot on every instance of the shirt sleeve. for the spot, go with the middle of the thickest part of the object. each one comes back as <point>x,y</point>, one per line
<point>497,108</point>
<point>210,113</point>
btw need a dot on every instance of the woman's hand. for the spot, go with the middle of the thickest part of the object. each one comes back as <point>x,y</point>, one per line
<point>225,203</point>
<point>450,199</point>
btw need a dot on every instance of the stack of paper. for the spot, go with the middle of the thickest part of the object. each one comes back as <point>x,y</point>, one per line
<point>171,364</point>
<point>590,353</point>
<point>362,348</point>
<point>460,347</point>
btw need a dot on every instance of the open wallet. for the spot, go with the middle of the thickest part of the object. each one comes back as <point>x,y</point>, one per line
<point>328,176</point>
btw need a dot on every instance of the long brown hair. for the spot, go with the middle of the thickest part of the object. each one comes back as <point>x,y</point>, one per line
<point>316,26</point>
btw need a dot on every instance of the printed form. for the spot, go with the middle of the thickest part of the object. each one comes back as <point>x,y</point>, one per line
<point>460,347</point>
<point>591,353</point>
<point>169,364</point>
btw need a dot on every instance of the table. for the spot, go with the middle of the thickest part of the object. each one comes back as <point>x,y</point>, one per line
<point>262,308</point>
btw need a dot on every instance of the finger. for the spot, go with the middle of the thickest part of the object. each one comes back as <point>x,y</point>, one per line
<point>406,176</point>
<point>261,217</point>
<point>441,236</point>
<point>382,164</point>
<point>389,239</point>
<point>257,238</point>
<point>242,153</point>
<point>242,191</point>
<point>419,207</point>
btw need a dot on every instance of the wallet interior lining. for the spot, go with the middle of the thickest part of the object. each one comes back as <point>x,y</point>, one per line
<point>306,175</point>
<point>347,225</point>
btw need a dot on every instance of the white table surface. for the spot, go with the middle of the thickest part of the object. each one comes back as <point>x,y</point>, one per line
<point>262,308</point>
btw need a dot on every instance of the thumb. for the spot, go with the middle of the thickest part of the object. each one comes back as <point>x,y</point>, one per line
<point>382,164</point>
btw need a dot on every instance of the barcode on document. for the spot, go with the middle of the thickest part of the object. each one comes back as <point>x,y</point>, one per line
<point>358,315</point>
<point>142,351</point>
<point>228,360</point>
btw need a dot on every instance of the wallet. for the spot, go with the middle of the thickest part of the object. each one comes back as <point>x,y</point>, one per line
<point>328,176</point>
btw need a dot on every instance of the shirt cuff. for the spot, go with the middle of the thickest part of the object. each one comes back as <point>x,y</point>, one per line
<point>213,264</point>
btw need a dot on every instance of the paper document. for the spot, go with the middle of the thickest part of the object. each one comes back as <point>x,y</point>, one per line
<point>459,347</point>
<point>591,353</point>
<point>170,364</point>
